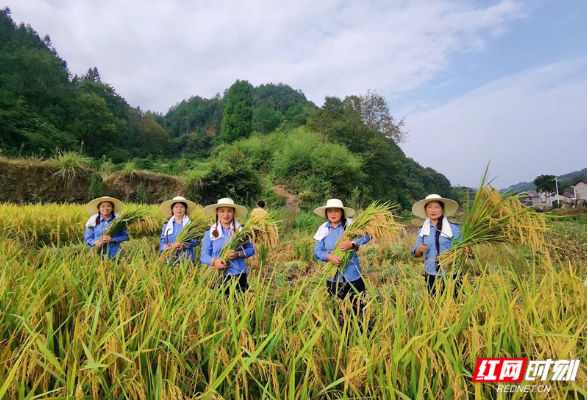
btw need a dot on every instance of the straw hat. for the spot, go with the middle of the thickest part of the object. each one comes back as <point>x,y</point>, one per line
<point>418,208</point>
<point>167,205</point>
<point>240,211</point>
<point>334,203</point>
<point>92,206</point>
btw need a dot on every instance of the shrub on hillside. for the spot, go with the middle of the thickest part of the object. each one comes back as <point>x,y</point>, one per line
<point>229,175</point>
<point>318,168</point>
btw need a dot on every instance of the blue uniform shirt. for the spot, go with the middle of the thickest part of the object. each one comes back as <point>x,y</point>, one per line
<point>111,249</point>
<point>324,247</point>
<point>212,248</point>
<point>444,245</point>
<point>187,254</point>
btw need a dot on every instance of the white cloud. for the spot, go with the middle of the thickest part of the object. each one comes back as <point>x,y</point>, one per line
<point>156,53</point>
<point>526,124</point>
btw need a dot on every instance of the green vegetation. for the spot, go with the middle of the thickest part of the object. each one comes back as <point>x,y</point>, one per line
<point>261,136</point>
<point>73,325</point>
<point>238,113</point>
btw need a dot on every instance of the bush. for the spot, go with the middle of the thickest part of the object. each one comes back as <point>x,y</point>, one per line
<point>320,168</point>
<point>228,176</point>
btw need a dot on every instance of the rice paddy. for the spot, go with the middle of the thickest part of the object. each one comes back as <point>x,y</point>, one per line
<point>75,326</point>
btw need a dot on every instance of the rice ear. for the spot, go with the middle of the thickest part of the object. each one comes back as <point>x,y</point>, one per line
<point>497,218</point>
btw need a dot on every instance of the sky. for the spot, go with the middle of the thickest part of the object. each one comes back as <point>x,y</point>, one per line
<point>476,81</point>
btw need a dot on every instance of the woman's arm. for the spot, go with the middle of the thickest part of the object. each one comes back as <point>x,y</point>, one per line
<point>162,241</point>
<point>319,250</point>
<point>247,250</point>
<point>419,241</point>
<point>121,236</point>
<point>89,236</point>
<point>206,253</point>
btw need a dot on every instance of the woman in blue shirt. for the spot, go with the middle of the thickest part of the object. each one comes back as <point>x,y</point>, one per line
<point>108,209</point>
<point>349,281</point>
<point>180,208</point>
<point>225,211</point>
<point>436,236</point>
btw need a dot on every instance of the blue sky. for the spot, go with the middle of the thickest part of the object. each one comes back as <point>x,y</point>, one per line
<point>547,32</point>
<point>501,80</point>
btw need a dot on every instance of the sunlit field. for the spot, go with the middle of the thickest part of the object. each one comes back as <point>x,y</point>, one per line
<point>75,326</point>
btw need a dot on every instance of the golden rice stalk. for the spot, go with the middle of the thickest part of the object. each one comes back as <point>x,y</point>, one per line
<point>377,221</point>
<point>496,218</point>
<point>196,228</point>
<point>125,219</point>
<point>257,229</point>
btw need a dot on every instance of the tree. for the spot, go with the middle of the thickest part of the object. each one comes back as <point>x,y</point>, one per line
<point>92,75</point>
<point>545,183</point>
<point>238,112</point>
<point>376,115</point>
<point>266,119</point>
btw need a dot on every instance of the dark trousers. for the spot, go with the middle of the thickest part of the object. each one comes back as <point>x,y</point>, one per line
<point>241,279</point>
<point>434,280</point>
<point>342,289</point>
<point>346,288</point>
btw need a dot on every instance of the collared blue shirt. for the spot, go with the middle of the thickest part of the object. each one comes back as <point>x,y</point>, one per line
<point>445,244</point>
<point>324,247</point>
<point>188,253</point>
<point>212,248</point>
<point>111,249</point>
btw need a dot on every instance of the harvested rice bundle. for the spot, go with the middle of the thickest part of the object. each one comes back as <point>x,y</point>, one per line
<point>377,221</point>
<point>195,228</point>
<point>257,229</point>
<point>125,219</point>
<point>494,218</point>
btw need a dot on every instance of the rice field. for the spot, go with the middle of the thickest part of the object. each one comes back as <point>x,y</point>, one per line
<point>75,326</point>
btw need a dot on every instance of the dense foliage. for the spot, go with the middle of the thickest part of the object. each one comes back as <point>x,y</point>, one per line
<point>346,148</point>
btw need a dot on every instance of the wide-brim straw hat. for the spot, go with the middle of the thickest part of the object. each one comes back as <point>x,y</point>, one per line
<point>418,208</point>
<point>92,206</point>
<point>334,203</point>
<point>240,211</point>
<point>166,206</point>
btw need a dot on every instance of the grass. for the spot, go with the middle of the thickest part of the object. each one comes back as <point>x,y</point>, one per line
<point>70,164</point>
<point>72,325</point>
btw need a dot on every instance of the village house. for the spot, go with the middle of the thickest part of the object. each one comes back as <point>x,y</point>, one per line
<point>531,199</point>
<point>580,191</point>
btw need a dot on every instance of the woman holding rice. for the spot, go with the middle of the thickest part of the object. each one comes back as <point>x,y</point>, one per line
<point>180,208</point>
<point>234,268</point>
<point>349,280</point>
<point>96,236</point>
<point>436,236</point>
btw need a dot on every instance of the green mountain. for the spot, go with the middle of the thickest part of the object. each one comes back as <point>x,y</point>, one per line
<point>241,143</point>
<point>565,182</point>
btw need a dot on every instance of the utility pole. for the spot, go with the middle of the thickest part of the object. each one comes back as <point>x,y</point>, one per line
<point>557,192</point>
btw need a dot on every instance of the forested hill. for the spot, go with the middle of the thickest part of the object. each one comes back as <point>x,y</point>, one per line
<point>193,124</point>
<point>565,182</point>
<point>241,143</point>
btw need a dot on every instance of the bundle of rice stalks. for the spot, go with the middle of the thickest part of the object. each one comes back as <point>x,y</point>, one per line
<point>494,218</point>
<point>257,229</point>
<point>377,221</point>
<point>125,219</point>
<point>195,229</point>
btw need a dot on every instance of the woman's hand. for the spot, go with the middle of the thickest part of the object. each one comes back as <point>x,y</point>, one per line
<point>98,243</point>
<point>167,247</point>
<point>218,263</point>
<point>469,253</point>
<point>422,249</point>
<point>334,260</point>
<point>346,245</point>
<point>107,239</point>
<point>177,246</point>
<point>232,254</point>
